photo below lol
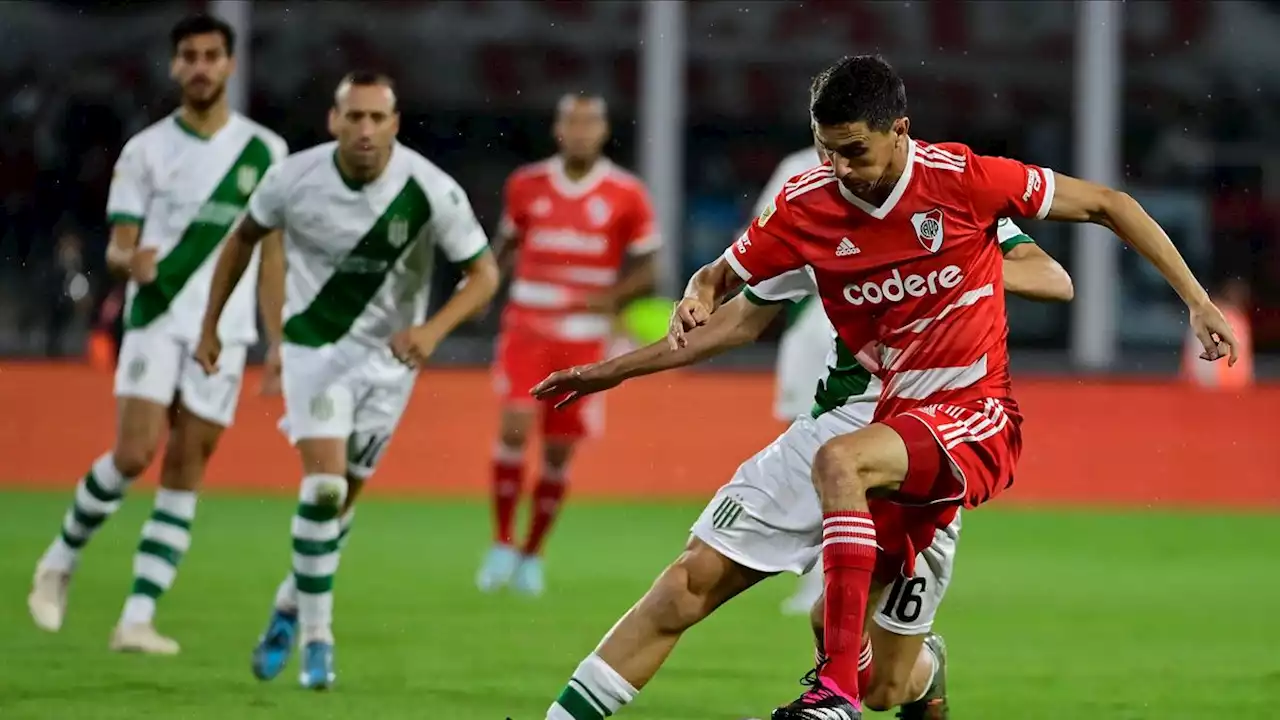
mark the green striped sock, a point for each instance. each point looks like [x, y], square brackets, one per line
[97, 497]
[316, 533]
[166, 537]
[595, 691]
[287, 590]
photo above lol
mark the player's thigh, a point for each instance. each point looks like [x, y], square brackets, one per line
[378, 410]
[964, 454]
[909, 605]
[871, 460]
[319, 420]
[768, 517]
[146, 383]
[213, 397]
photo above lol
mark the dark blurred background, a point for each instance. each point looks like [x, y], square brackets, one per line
[1197, 118]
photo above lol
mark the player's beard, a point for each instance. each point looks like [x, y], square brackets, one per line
[202, 104]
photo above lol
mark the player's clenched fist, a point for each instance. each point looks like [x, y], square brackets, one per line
[207, 352]
[1214, 333]
[415, 346]
[689, 313]
[574, 384]
[137, 264]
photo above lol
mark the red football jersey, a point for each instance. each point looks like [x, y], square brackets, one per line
[573, 238]
[914, 286]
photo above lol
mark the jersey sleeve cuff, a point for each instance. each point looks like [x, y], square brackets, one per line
[249, 213]
[1014, 242]
[736, 264]
[1047, 203]
[123, 218]
[466, 261]
[755, 299]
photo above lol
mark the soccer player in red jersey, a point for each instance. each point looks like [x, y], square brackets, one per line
[581, 231]
[920, 306]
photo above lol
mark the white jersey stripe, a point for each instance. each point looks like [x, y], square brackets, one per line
[1047, 203]
[797, 192]
[940, 165]
[938, 152]
[809, 176]
[921, 384]
[969, 298]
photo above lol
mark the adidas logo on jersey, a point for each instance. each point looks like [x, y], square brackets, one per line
[847, 248]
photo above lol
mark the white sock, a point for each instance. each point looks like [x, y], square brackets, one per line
[166, 537]
[594, 692]
[97, 497]
[316, 530]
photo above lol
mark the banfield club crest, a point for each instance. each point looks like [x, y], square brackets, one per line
[928, 226]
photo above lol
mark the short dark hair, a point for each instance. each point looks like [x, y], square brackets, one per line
[365, 78]
[858, 88]
[202, 24]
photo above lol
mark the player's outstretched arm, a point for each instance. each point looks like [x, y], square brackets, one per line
[1076, 200]
[702, 296]
[1032, 273]
[738, 323]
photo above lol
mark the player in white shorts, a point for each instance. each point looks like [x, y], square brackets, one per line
[362, 218]
[768, 518]
[178, 189]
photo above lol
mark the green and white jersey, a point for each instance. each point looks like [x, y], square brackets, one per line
[360, 256]
[188, 192]
[848, 386]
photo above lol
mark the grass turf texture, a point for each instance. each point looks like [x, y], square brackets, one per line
[1069, 616]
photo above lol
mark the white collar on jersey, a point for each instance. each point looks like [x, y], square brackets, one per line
[890, 202]
[570, 188]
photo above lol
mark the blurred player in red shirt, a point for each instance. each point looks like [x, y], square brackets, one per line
[900, 237]
[582, 233]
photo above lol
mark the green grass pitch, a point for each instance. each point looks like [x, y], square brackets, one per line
[1052, 616]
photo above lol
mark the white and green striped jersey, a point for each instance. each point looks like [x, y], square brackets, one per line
[188, 192]
[360, 256]
[847, 382]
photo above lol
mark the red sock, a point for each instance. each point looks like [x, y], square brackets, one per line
[849, 557]
[547, 498]
[506, 493]
[866, 661]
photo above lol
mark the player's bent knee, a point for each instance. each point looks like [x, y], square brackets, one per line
[134, 455]
[515, 427]
[874, 457]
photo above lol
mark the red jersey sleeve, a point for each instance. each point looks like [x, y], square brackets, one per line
[765, 250]
[1001, 187]
[514, 212]
[642, 229]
